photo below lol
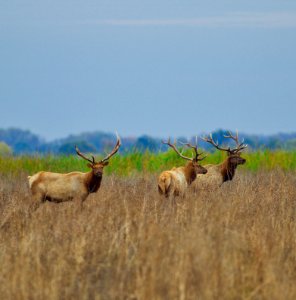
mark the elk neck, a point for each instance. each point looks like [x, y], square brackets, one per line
[92, 182]
[227, 170]
[189, 172]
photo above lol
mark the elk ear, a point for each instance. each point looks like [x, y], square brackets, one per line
[90, 166]
[105, 163]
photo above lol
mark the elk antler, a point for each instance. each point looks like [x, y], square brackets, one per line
[195, 150]
[239, 146]
[215, 144]
[183, 156]
[80, 154]
[115, 149]
[175, 149]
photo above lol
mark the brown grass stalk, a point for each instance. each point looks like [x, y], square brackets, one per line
[238, 242]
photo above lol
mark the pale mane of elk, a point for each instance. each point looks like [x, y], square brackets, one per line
[225, 171]
[59, 187]
[175, 181]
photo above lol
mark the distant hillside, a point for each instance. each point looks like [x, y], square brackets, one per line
[26, 142]
[21, 141]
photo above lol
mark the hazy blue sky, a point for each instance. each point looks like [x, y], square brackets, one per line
[155, 67]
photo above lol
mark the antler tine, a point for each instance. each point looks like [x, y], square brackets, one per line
[239, 146]
[81, 155]
[173, 146]
[211, 141]
[195, 150]
[189, 145]
[230, 136]
[115, 149]
[166, 143]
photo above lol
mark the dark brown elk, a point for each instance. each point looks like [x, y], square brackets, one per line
[225, 171]
[59, 187]
[175, 181]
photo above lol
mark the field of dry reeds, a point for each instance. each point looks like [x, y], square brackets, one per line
[238, 242]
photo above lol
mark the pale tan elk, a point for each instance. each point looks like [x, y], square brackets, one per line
[59, 187]
[225, 171]
[175, 181]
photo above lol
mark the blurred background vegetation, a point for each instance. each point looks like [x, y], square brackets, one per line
[25, 142]
[24, 152]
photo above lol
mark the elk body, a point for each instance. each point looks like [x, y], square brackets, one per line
[175, 181]
[59, 187]
[225, 171]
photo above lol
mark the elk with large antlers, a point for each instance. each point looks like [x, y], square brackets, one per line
[59, 187]
[175, 181]
[225, 171]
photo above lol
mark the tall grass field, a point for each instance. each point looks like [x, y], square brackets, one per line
[127, 242]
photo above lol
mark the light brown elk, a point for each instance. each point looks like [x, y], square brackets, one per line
[175, 181]
[225, 171]
[59, 187]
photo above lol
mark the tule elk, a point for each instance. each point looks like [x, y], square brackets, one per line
[225, 171]
[175, 181]
[59, 187]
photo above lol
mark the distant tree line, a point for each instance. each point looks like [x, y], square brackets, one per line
[18, 142]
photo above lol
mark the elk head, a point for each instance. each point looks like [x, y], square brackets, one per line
[97, 167]
[194, 160]
[234, 155]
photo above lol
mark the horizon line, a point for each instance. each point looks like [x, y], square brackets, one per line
[243, 132]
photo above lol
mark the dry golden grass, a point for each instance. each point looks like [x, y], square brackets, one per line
[238, 242]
